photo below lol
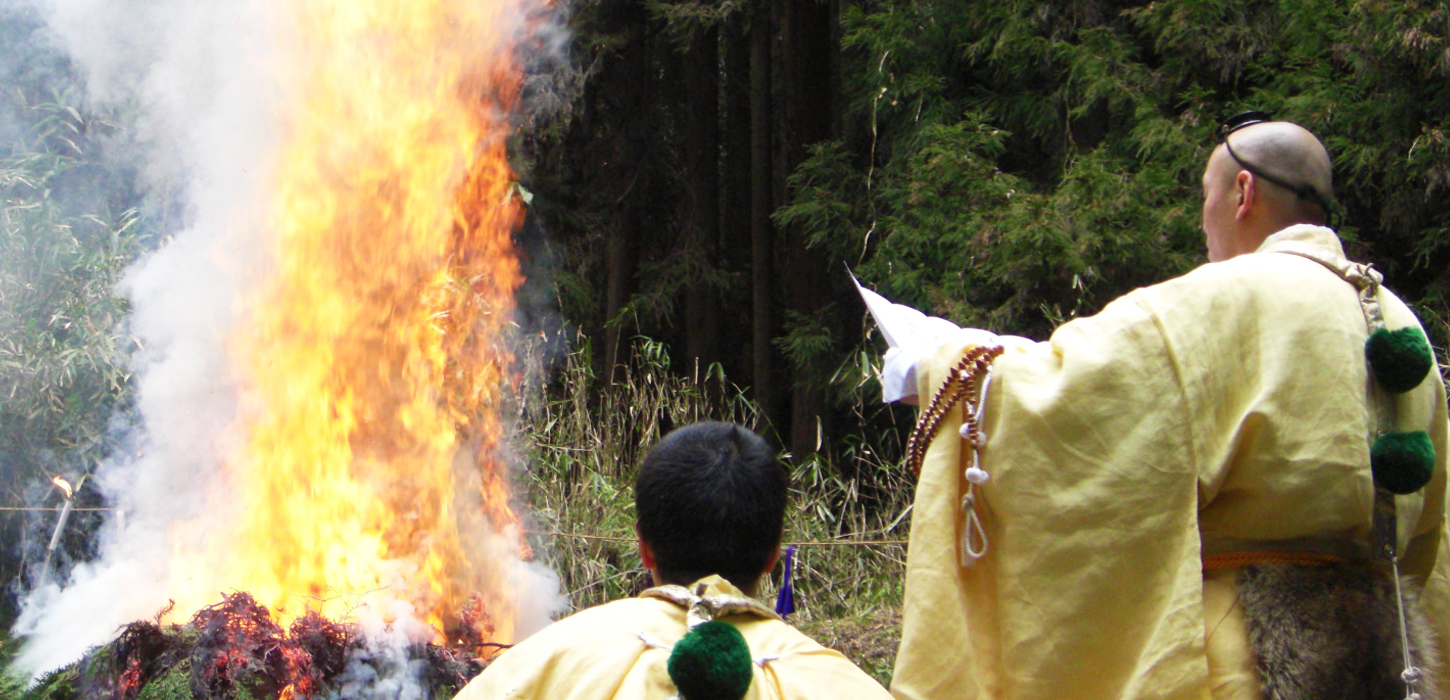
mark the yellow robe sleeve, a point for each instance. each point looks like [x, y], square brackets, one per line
[1436, 599]
[1426, 558]
[1091, 584]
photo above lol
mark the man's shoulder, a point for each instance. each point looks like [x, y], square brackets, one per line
[605, 618]
[593, 647]
[801, 667]
[603, 626]
[1272, 278]
[1300, 254]
[1262, 268]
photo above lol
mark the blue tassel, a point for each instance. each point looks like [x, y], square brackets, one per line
[785, 600]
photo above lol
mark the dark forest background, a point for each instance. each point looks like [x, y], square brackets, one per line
[1005, 164]
[720, 164]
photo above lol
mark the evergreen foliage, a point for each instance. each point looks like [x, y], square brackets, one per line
[1010, 164]
[61, 362]
[1017, 163]
[174, 684]
[68, 228]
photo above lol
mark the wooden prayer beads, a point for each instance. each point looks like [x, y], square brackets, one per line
[963, 382]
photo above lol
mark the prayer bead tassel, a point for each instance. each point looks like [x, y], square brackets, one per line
[974, 536]
[966, 385]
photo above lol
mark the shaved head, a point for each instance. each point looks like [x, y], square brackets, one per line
[1293, 156]
[1263, 178]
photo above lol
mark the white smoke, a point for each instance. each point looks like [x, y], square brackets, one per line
[382, 668]
[202, 75]
[204, 118]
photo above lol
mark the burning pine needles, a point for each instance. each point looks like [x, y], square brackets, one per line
[233, 650]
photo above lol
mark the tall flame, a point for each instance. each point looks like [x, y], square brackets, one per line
[372, 359]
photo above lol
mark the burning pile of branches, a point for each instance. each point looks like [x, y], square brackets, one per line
[235, 651]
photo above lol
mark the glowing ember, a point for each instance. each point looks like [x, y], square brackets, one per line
[372, 359]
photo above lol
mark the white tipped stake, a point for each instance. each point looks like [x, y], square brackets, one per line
[70, 501]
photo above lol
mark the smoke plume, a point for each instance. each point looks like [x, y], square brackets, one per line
[204, 78]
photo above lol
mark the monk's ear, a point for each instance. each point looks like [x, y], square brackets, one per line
[1245, 186]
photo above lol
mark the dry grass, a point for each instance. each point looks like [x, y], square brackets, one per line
[869, 641]
[584, 440]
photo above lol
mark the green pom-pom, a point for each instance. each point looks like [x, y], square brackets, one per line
[1402, 462]
[1400, 359]
[712, 662]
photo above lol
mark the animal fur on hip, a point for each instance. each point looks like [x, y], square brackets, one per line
[1333, 632]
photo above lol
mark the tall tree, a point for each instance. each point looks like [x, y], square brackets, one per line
[701, 216]
[807, 116]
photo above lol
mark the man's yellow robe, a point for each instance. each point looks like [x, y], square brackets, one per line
[619, 650]
[1224, 411]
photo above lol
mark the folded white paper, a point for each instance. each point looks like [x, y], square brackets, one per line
[912, 336]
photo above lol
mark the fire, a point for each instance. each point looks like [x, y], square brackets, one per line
[64, 486]
[373, 360]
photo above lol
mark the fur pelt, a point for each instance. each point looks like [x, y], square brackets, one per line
[1333, 632]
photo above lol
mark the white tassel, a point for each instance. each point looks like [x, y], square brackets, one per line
[972, 531]
[974, 534]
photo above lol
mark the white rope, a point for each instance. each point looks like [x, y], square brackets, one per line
[1412, 674]
[652, 644]
[973, 532]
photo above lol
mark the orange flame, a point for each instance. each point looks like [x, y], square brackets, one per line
[373, 360]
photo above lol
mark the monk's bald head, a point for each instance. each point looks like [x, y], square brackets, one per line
[1263, 178]
[1291, 155]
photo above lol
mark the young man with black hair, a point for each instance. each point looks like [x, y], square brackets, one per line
[710, 501]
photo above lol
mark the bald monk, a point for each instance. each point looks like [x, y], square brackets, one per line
[1243, 205]
[1201, 491]
[710, 501]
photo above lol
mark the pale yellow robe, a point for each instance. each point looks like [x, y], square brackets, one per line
[1225, 410]
[619, 650]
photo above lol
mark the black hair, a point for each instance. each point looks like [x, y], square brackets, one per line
[710, 499]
